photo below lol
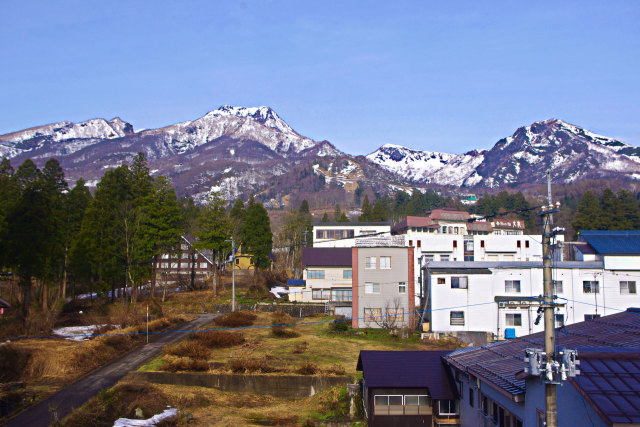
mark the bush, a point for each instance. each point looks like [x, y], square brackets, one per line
[278, 318]
[218, 339]
[173, 363]
[189, 348]
[236, 319]
[12, 362]
[241, 366]
[340, 325]
[335, 369]
[307, 368]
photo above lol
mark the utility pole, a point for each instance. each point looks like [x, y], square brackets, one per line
[551, 403]
[233, 274]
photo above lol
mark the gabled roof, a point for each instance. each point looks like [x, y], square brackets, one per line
[4, 304]
[500, 363]
[326, 257]
[407, 369]
[448, 215]
[351, 224]
[613, 242]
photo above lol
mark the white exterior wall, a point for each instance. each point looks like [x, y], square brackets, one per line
[359, 231]
[505, 248]
[333, 278]
[482, 312]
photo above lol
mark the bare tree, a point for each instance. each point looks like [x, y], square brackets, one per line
[390, 317]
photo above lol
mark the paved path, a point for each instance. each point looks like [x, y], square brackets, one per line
[79, 392]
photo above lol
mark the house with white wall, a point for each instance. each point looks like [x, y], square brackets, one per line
[327, 277]
[343, 234]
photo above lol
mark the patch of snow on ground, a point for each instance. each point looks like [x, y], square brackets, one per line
[77, 333]
[277, 290]
[153, 421]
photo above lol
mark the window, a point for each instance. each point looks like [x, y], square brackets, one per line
[455, 244]
[591, 316]
[165, 265]
[321, 294]
[184, 255]
[456, 318]
[482, 243]
[557, 287]
[319, 234]
[174, 265]
[203, 265]
[514, 319]
[402, 287]
[184, 247]
[484, 402]
[395, 315]
[315, 274]
[419, 243]
[559, 320]
[428, 258]
[444, 229]
[459, 283]
[184, 265]
[448, 407]
[470, 397]
[518, 243]
[401, 405]
[444, 257]
[372, 288]
[410, 242]
[341, 295]
[370, 262]
[165, 256]
[385, 262]
[347, 274]
[590, 287]
[627, 287]
[441, 281]
[526, 243]
[372, 314]
[512, 286]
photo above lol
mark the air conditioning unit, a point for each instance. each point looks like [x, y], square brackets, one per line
[502, 304]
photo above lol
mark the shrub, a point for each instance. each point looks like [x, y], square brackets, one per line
[307, 368]
[300, 347]
[278, 318]
[340, 325]
[335, 369]
[218, 339]
[236, 319]
[173, 363]
[240, 366]
[12, 362]
[189, 348]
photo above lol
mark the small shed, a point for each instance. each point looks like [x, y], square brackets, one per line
[407, 388]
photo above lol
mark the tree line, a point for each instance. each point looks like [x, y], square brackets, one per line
[59, 238]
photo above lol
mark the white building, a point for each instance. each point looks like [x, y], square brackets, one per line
[343, 234]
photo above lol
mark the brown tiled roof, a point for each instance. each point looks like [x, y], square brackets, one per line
[450, 215]
[479, 226]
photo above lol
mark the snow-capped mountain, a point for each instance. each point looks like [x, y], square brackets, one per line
[62, 138]
[260, 124]
[569, 151]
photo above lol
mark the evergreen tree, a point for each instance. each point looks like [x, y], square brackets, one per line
[8, 196]
[256, 234]
[379, 212]
[325, 217]
[337, 213]
[214, 231]
[304, 207]
[588, 213]
[236, 215]
[610, 211]
[366, 210]
[343, 218]
[629, 215]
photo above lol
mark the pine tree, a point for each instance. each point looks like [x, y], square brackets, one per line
[75, 205]
[214, 231]
[610, 211]
[325, 217]
[236, 215]
[256, 234]
[588, 213]
[628, 214]
[366, 210]
[379, 212]
[337, 213]
[304, 207]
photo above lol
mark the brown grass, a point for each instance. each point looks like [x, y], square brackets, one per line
[218, 339]
[188, 348]
[278, 319]
[308, 368]
[236, 319]
[173, 363]
[245, 366]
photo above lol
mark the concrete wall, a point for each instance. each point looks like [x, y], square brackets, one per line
[283, 386]
[389, 297]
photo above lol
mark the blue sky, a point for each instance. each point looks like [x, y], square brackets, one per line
[445, 76]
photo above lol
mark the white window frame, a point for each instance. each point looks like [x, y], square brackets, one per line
[510, 319]
[451, 402]
[385, 263]
[324, 293]
[370, 288]
[558, 287]
[509, 285]
[460, 321]
[628, 287]
[444, 257]
[370, 263]
[347, 274]
[402, 287]
[315, 274]
[590, 287]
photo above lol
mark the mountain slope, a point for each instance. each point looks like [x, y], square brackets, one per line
[569, 151]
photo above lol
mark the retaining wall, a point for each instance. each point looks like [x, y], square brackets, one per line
[293, 310]
[283, 386]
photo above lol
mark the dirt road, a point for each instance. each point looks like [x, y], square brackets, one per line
[76, 394]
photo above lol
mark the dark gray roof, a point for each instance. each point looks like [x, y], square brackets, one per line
[500, 363]
[613, 242]
[407, 369]
[326, 257]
